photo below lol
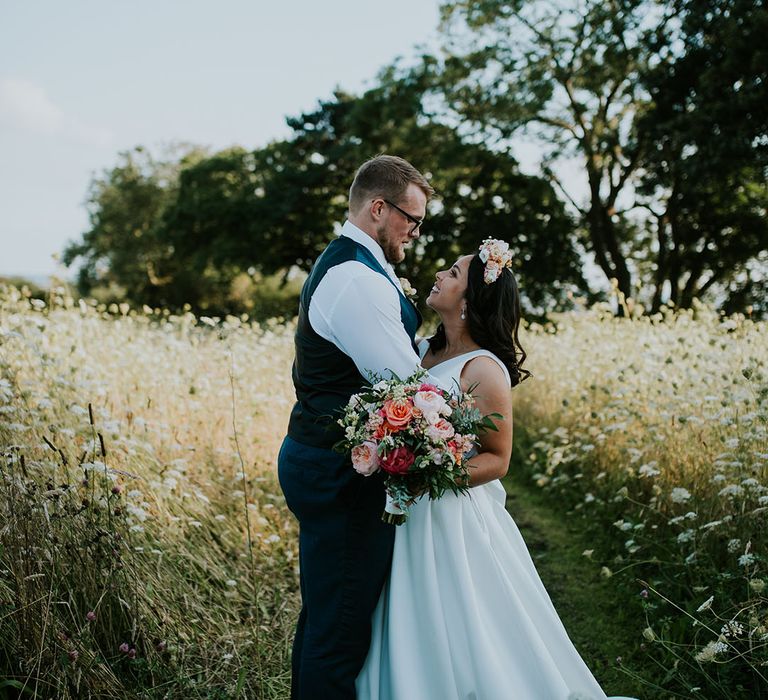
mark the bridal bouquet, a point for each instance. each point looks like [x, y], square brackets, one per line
[415, 432]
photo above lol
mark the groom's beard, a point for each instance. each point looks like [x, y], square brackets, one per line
[393, 251]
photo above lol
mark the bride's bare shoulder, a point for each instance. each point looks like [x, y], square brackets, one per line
[486, 372]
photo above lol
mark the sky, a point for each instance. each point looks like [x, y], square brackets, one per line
[82, 80]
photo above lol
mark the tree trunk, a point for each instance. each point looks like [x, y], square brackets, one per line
[605, 242]
[662, 262]
[691, 284]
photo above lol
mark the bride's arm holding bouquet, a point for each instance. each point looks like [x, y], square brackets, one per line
[490, 389]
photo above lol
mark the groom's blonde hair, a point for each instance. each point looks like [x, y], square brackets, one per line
[386, 177]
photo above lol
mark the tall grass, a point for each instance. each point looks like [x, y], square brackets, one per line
[147, 551]
[136, 559]
[656, 429]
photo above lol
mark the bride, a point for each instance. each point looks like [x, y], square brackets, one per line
[464, 615]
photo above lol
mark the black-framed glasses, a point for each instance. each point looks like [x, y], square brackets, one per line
[416, 222]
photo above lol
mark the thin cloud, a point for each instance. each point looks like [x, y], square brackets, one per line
[25, 106]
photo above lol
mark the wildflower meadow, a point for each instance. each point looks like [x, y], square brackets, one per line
[146, 551]
[146, 548]
[655, 429]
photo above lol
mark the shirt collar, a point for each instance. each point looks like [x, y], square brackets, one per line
[361, 237]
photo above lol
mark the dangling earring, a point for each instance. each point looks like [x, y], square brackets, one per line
[462, 314]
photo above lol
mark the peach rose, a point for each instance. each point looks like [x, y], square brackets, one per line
[398, 412]
[365, 459]
[440, 430]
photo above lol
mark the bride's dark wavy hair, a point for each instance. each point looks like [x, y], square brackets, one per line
[493, 318]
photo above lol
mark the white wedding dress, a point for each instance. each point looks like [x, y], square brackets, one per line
[464, 615]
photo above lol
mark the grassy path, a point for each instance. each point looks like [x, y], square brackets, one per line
[601, 621]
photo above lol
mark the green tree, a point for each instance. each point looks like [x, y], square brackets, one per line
[581, 78]
[704, 178]
[207, 225]
[275, 209]
[124, 249]
[481, 192]
[263, 211]
[567, 74]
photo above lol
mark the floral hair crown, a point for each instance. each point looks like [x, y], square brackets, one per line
[496, 255]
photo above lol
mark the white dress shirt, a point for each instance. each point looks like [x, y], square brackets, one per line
[358, 310]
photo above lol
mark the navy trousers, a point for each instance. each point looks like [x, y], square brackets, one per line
[345, 553]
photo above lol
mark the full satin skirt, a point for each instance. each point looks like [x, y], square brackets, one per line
[464, 615]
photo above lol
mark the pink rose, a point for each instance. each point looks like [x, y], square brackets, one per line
[398, 412]
[398, 461]
[365, 459]
[429, 387]
[440, 430]
[429, 402]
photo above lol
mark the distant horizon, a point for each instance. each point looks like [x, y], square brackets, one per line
[35, 278]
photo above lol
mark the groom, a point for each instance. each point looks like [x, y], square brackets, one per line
[353, 319]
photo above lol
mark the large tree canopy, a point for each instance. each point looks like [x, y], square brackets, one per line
[481, 192]
[568, 74]
[631, 89]
[704, 176]
[663, 105]
[125, 246]
[276, 208]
